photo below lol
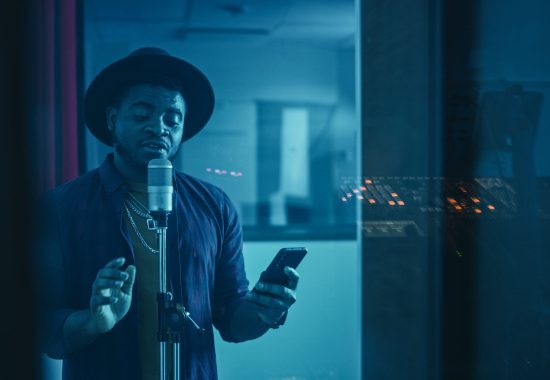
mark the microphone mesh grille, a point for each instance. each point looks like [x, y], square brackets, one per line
[159, 172]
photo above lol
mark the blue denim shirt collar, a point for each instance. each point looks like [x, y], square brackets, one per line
[111, 179]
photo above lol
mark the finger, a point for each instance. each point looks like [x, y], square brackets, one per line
[129, 283]
[270, 320]
[293, 277]
[277, 291]
[115, 274]
[269, 301]
[99, 300]
[101, 285]
[104, 283]
[116, 263]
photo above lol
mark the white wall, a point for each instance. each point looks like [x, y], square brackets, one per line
[321, 338]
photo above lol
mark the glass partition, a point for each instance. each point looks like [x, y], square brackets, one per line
[455, 126]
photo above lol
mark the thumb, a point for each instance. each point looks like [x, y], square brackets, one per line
[129, 283]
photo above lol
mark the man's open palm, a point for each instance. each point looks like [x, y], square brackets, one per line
[112, 294]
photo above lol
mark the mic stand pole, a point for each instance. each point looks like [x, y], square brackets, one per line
[171, 316]
[163, 298]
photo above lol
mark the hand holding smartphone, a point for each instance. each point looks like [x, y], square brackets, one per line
[286, 257]
[273, 297]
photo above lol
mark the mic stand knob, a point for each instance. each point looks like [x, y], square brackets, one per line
[172, 318]
[187, 314]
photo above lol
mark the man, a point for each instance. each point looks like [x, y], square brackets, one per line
[100, 259]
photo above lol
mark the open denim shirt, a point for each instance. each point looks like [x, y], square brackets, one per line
[83, 228]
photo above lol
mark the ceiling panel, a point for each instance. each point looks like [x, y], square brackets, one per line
[140, 10]
[264, 14]
[217, 21]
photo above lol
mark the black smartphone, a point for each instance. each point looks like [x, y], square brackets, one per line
[286, 257]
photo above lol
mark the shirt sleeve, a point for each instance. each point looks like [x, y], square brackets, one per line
[50, 280]
[231, 284]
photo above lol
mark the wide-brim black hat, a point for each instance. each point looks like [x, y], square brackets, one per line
[143, 66]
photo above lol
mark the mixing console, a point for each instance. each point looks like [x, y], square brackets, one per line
[391, 206]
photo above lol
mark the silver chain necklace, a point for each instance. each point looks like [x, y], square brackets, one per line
[141, 210]
[135, 205]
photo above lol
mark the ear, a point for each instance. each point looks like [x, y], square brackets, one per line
[111, 114]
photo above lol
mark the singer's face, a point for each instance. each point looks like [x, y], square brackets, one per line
[147, 124]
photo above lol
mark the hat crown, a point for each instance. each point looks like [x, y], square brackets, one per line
[148, 51]
[139, 66]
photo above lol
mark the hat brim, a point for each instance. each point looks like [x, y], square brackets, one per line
[195, 88]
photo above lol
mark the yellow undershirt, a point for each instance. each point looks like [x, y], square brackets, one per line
[146, 288]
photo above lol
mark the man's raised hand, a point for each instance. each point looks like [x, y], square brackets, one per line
[111, 294]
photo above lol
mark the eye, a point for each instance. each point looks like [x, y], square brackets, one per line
[140, 117]
[172, 119]
[140, 114]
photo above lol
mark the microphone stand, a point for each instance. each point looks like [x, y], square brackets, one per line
[171, 316]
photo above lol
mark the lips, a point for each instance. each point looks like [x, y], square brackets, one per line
[155, 145]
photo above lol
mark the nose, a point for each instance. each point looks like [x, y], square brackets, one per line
[158, 127]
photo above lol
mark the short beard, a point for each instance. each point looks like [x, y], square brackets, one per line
[124, 153]
[121, 150]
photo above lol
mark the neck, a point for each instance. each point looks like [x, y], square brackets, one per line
[130, 171]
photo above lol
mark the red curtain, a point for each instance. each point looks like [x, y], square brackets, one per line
[57, 92]
[39, 98]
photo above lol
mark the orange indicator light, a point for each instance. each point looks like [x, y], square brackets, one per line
[363, 188]
[394, 195]
[491, 207]
[372, 201]
[459, 208]
[478, 211]
[401, 203]
[392, 203]
[451, 200]
[476, 200]
[368, 182]
[355, 191]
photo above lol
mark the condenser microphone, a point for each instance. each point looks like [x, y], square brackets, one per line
[159, 186]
